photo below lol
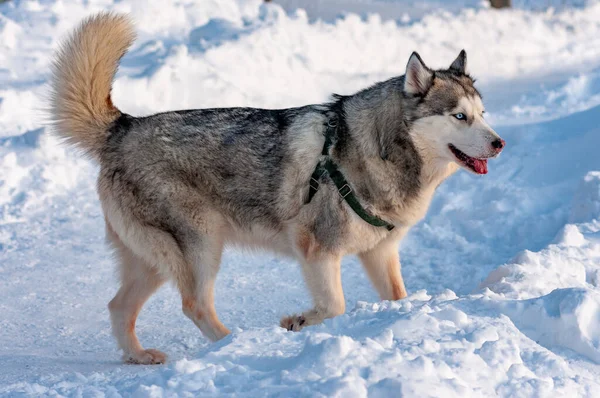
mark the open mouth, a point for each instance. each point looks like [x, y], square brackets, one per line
[478, 166]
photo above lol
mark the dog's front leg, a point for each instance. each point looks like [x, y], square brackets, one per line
[382, 264]
[321, 271]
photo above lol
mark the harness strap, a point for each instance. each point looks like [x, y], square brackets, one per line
[327, 166]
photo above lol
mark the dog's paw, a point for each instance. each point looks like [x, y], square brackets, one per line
[145, 357]
[294, 323]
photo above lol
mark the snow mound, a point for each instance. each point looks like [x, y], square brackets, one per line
[565, 318]
[426, 346]
[572, 260]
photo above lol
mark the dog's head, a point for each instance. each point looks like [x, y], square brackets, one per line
[448, 119]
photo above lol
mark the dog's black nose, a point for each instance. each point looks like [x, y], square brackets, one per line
[498, 144]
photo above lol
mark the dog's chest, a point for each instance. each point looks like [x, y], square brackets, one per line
[415, 209]
[362, 236]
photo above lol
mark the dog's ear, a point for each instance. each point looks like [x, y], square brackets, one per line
[418, 78]
[460, 63]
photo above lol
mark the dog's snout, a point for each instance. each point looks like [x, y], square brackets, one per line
[498, 144]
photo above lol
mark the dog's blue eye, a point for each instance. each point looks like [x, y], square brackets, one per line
[460, 116]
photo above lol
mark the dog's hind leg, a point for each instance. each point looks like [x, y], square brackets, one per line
[382, 264]
[322, 273]
[197, 282]
[138, 281]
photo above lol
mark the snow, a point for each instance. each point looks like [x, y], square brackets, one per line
[503, 274]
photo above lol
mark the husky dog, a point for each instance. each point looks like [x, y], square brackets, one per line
[177, 187]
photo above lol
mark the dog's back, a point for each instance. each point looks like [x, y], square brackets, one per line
[237, 160]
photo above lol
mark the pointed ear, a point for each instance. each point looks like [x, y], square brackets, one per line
[460, 63]
[418, 78]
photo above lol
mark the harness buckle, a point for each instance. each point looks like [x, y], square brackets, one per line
[314, 179]
[345, 191]
[314, 183]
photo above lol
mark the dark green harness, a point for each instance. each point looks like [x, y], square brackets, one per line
[327, 166]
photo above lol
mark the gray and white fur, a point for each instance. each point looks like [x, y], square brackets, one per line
[177, 187]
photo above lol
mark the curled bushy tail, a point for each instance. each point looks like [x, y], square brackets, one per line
[82, 75]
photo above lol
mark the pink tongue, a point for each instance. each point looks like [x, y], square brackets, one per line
[480, 166]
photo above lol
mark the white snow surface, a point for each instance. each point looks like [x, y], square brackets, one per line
[503, 274]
